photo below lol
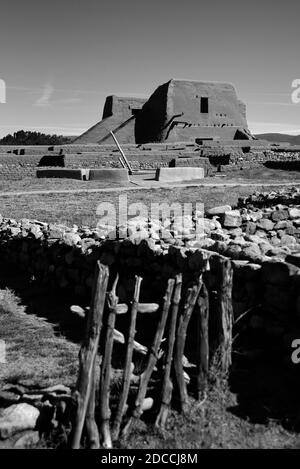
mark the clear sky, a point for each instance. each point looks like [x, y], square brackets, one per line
[60, 58]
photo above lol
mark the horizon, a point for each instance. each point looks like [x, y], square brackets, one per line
[60, 62]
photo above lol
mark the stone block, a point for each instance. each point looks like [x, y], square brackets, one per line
[179, 174]
[81, 174]
[109, 175]
[232, 219]
[16, 418]
[217, 211]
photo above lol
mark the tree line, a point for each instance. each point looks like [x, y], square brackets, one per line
[23, 137]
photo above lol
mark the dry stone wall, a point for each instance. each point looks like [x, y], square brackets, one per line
[264, 245]
[14, 167]
[266, 289]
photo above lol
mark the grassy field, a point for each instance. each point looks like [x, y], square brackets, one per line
[80, 208]
[47, 184]
[36, 354]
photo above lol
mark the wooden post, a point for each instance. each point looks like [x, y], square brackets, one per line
[88, 351]
[121, 151]
[122, 163]
[128, 360]
[191, 298]
[146, 375]
[167, 386]
[225, 312]
[105, 374]
[90, 421]
[202, 342]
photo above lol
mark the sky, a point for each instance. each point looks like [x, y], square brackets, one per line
[59, 59]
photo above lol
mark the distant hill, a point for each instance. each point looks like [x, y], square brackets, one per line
[280, 138]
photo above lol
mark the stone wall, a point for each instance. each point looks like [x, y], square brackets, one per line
[64, 257]
[14, 167]
[141, 161]
[267, 298]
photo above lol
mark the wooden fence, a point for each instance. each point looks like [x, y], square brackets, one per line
[95, 417]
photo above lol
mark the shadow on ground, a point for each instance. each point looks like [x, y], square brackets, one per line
[266, 383]
[42, 302]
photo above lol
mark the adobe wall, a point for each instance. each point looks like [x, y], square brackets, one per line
[174, 112]
[119, 117]
[224, 108]
[150, 123]
[123, 106]
[192, 131]
[100, 133]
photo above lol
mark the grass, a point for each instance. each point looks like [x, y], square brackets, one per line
[212, 425]
[81, 208]
[35, 353]
[37, 184]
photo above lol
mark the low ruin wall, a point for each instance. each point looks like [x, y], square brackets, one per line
[14, 166]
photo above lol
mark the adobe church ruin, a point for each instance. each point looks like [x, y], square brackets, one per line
[179, 110]
[119, 115]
